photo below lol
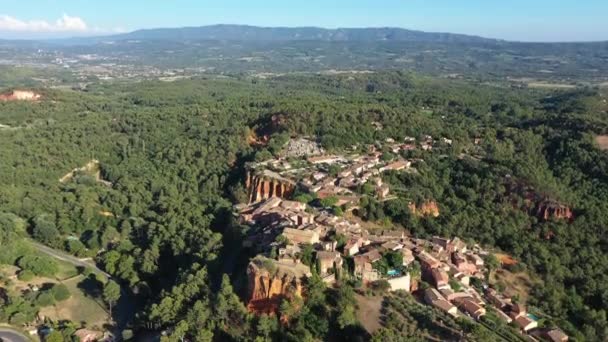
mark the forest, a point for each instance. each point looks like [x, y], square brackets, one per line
[158, 216]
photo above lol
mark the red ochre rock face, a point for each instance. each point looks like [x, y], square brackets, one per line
[547, 210]
[269, 282]
[263, 186]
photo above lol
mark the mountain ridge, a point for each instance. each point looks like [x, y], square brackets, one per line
[232, 32]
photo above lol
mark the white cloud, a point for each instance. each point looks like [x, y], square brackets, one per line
[64, 24]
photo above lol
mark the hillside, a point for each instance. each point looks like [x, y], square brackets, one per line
[254, 33]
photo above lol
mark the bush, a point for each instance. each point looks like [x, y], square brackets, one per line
[45, 299]
[18, 319]
[60, 292]
[26, 275]
[40, 266]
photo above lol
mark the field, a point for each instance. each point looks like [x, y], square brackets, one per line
[81, 307]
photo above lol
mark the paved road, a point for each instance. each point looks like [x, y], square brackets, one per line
[9, 335]
[67, 258]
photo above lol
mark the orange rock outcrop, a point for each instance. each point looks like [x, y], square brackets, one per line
[271, 281]
[428, 208]
[261, 186]
[20, 95]
[553, 211]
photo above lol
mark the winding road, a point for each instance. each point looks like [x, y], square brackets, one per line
[9, 335]
[67, 257]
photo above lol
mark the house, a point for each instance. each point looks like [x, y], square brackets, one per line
[473, 309]
[443, 243]
[364, 269]
[392, 246]
[330, 246]
[503, 316]
[496, 299]
[328, 261]
[431, 295]
[556, 335]
[445, 306]
[463, 265]
[298, 236]
[517, 310]
[372, 255]
[458, 245]
[434, 298]
[427, 261]
[328, 159]
[475, 259]
[451, 296]
[440, 278]
[352, 246]
[525, 323]
[397, 166]
[408, 256]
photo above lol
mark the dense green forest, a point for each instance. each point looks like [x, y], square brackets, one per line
[174, 154]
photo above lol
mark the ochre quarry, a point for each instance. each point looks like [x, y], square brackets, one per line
[263, 185]
[271, 281]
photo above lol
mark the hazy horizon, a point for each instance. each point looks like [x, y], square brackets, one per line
[538, 21]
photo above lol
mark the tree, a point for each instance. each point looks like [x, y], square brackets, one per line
[54, 336]
[111, 293]
[45, 299]
[45, 230]
[60, 292]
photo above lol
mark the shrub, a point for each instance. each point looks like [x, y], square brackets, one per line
[40, 266]
[60, 292]
[45, 299]
[26, 275]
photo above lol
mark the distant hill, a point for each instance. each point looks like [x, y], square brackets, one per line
[254, 33]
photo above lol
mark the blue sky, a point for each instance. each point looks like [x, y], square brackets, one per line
[529, 20]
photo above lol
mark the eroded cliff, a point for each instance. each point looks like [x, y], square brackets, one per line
[267, 184]
[20, 95]
[271, 281]
[427, 208]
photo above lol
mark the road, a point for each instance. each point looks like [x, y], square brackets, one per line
[10, 335]
[67, 258]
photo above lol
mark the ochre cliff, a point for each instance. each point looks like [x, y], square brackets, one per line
[263, 185]
[271, 281]
[548, 210]
[536, 204]
[427, 208]
[20, 95]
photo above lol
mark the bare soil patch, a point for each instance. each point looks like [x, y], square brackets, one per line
[368, 312]
[602, 142]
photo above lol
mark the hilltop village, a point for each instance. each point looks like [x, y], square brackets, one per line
[301, 219]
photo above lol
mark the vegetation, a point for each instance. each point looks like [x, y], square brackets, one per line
[174, 154]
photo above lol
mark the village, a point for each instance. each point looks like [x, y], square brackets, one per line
[303, 203]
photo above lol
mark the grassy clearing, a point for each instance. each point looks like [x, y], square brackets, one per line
[516, 284]
[81, 307]
[368, 313]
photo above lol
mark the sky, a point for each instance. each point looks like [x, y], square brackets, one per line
[521, 20]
